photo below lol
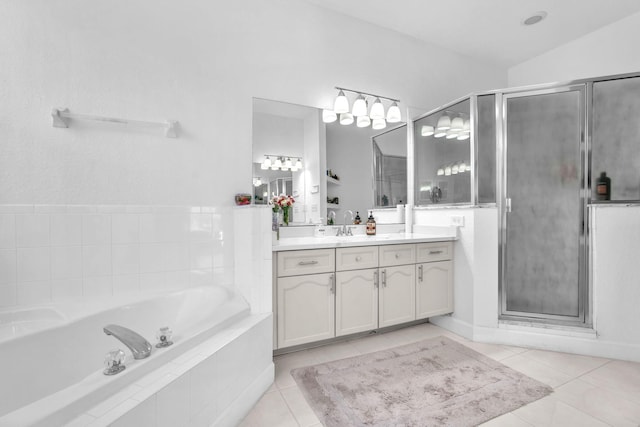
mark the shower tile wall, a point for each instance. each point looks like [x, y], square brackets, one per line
[53, 252]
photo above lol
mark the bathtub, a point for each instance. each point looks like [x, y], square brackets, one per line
[52, 358]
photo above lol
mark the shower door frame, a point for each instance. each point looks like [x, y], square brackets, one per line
[584, 288]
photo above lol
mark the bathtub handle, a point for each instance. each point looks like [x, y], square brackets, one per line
[308, 262]
[332, 283]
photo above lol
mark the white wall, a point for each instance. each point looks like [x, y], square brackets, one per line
[195, 61]
[612, 49]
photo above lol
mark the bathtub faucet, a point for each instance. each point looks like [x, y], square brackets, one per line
[136, 343]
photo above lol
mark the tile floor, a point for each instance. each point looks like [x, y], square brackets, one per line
[588, 391]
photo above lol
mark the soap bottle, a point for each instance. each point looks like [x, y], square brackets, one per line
[371, 225]
[357, 219]
[603, 187]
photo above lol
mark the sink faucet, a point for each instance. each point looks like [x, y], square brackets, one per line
[139, 346]
[346, 231]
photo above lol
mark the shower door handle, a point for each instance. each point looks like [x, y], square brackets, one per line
[507, 204]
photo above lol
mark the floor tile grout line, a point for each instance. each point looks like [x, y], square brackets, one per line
[289, 406]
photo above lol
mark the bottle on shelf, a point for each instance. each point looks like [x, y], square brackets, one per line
[603, 187]
[371, 225]
[357, 219]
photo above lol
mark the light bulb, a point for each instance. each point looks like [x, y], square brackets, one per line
[377, 110]
[379, 124]
[427, 130]
[359, 106]
[444, 122]
[341, 105]
[329, 116]
[363, 121]
[299, 164]
[393, 113]
[346, 118]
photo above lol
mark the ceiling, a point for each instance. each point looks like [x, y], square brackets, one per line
[490, 30]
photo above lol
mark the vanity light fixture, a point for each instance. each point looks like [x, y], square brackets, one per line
[257, 182]
[359, 106]
[393, 113]
[267, 161]
[462, 167]
[299, 163]
[447, 171]
[427, 130]
[440, 172]
[379, 124]
[457, 124]
[329, 116]
[346, 118]
[454, 169]
[287, 163]
[363, 121]
[466, 131]
[341, 104]
[277, 164]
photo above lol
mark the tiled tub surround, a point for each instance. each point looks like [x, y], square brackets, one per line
[219, 365]
[55, 252]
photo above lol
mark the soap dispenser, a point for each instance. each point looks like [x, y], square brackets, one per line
[357, 219]
[371, 225]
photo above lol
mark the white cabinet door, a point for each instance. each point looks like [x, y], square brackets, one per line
[306, 309]
[434, 289]
[356, 301]
[397, 295]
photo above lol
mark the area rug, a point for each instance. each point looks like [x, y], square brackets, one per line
[435, 382]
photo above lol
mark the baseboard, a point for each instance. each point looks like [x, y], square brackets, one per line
[235, 413]
[454, 325]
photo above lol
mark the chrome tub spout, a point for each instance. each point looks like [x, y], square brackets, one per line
[139, 346]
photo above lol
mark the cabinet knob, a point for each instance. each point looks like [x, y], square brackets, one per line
[358, 258]
[397, 256]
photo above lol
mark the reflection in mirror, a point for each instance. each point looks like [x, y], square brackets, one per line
[286, 141]
[390, 167]
[442, 149]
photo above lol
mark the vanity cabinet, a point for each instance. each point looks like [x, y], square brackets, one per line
[305, 302]
[434, 279]
[327, 293]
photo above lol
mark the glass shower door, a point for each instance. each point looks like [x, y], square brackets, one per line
[543, 218]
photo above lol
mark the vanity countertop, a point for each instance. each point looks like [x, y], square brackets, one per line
[297, 243]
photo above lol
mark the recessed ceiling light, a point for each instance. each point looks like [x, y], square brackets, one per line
[535, 18]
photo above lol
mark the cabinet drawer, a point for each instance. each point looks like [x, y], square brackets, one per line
[436, 251]
[356, 258]
[311, 261]
[397, 255]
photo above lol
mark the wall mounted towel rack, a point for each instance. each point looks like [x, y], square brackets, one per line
[62, 116]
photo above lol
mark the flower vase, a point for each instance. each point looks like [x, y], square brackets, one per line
[275, 224]
[285, 215]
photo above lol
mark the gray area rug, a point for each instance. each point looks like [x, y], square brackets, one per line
[436, 382]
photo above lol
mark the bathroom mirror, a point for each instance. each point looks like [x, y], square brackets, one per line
[390, 167]
[337, 162]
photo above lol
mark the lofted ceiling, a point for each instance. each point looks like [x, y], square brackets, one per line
[489, 30]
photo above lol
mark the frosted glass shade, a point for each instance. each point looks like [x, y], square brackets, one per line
[299, 164]
[359, 107]
[379, 124]
[346, 118]
[427, 130]
[457, 124]
[329, 116]
[393, 113]
[444, 123]
[363, 121]
[440, 172]
[341, 104]
[377, 110]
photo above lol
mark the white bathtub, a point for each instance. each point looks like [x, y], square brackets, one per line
[52, 357]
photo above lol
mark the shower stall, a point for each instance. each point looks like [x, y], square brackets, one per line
[536, 154]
